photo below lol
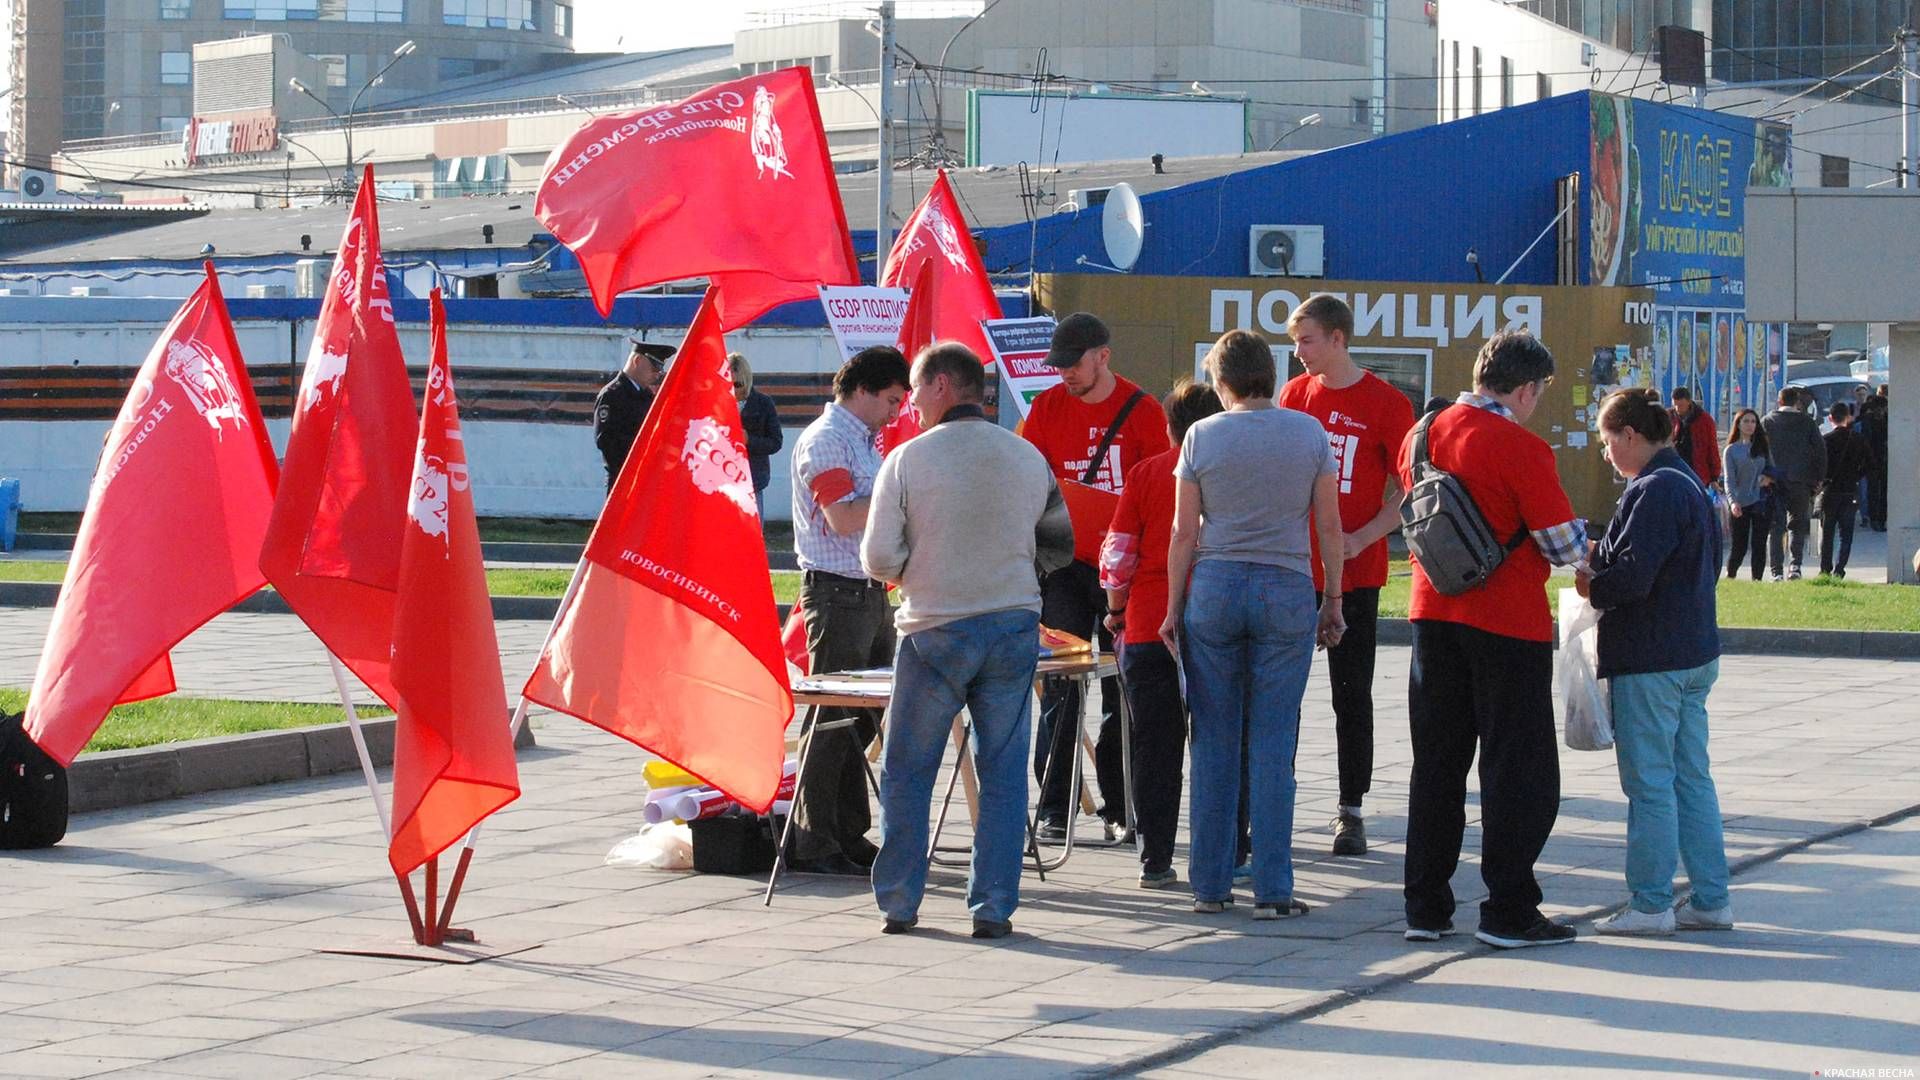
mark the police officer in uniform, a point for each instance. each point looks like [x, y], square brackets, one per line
[622, 404]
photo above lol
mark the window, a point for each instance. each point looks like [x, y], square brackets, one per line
[1360, 112]
[176, 68]
[272, 10]
[1456, 80]
[1506, 83]
[1543, 86]
[491, 14]
[173, 124]
[176, 9]
[1476, 80]
[563, 20]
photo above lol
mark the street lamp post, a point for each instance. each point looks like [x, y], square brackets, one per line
[1305, 122]
[405, 50]
[301, 88]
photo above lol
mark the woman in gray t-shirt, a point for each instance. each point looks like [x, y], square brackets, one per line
[1249, 482]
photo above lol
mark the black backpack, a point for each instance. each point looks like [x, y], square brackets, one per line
[1444, 529]
[33, 791]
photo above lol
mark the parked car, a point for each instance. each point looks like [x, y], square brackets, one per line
[1826, 390]
[1872, 367]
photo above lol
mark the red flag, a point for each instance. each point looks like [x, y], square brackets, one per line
[172, 532]
[672, 639]
[452, 750]
[949, 291]
[734, 184]
[936, 236]
[333, 550]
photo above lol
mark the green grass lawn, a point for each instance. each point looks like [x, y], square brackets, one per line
[176, 719]
[1813, 603]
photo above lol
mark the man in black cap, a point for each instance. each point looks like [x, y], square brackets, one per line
[622, 404]
[1092, 429]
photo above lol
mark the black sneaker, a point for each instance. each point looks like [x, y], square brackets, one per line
[991, 928]
[1429, 933]
[1543, 932]
[1050, 831]
[1349, 835]
[900, 926]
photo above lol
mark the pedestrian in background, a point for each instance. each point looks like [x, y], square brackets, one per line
[1652, 578]
[1133, 570]
[1846, 467]
[760, 423]
[1252, 483]
[1748, 497]
[1482, 668]
[1800, 464]
[1695, 438]
[964, 515]
[1873, 434]
[622, 405]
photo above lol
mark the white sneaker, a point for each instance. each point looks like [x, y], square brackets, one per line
[1629, 921]
[1688, 917]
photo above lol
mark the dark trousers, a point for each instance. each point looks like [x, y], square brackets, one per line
[1877, 497]
[1791, 503]
[848, 628]
[1471, 687]
[1836, 516]
[1159, 747]
[1350, 667]
[1750, 528]
[1071, 601]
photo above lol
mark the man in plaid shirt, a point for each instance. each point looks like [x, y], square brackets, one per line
[848, 625]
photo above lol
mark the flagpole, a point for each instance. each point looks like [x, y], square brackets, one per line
[519, 719]
[359, 742]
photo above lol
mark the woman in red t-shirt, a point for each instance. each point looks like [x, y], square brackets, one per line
[1133, 570]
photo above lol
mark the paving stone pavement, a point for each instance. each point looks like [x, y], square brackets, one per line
[181, 938]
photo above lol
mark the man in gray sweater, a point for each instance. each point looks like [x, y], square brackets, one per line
[1800, 456]
[964, 519]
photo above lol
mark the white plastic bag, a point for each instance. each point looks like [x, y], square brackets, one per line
[666, 846]
[1583, 693]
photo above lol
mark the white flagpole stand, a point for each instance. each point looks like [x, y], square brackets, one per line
[360, 743]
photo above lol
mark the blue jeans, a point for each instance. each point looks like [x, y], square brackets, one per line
[1247, 639]
[984, 664]
[1673, 812]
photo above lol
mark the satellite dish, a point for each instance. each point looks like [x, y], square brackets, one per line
[1122, 226]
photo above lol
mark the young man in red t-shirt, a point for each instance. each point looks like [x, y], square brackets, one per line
[1366, 421]
[1133, 571]
[1482, 667]
[1069, 424]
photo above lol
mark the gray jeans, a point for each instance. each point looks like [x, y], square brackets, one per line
[1792, 501]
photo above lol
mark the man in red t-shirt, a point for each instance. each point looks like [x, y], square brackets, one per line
[1366, 421]
[1695, 437]
[1482, 667]
[1133, 571]
[1092, 428]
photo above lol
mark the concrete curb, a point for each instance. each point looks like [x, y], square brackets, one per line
[1734, 640]
[1188, 1047]
[116, 778]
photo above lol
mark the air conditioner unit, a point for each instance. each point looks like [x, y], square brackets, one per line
[266, 292]
[310, 278]
[20, 288]
[1287, 251]
[37, 186]
[89, 290]
[1087, 198]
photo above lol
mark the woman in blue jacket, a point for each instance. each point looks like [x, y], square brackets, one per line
[1652, 578]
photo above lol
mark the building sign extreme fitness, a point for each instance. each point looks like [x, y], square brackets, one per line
[230, 136]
